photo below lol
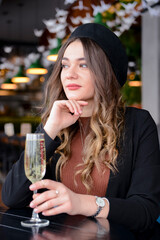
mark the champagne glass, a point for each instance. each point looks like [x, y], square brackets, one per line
[35, 168]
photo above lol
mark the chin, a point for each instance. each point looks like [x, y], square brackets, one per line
[74, 98]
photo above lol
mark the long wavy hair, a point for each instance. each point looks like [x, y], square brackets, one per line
[106, 122]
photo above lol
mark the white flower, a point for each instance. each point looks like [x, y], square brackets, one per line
[87, 19]
[71, 28]
[53, 42]
[8, 49]
[49, 23]
[81, 6]
[38, 33]
[41, 48]
[99, 9]
[118, 33]
[61, 34]
[61, 12]
[69, 1]
[76, 20]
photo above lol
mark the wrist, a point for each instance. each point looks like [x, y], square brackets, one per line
[51, 129]
[88, 206]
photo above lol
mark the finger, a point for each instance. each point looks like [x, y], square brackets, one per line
[56, 210]
[43, 197]
[35, 195]
[72, 106]
[69, 106]
[79, 105]
[64, 104]
[49, 200]
[45, 183]
[52, 203]
[76, 106]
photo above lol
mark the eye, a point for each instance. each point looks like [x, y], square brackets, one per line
[64, 65]
[83, 65]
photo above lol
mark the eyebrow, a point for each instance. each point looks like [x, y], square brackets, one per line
[78, 59]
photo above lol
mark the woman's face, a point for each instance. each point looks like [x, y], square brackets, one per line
[76, 77]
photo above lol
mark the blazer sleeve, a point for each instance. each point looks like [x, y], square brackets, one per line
[140, 208]
[15, 190]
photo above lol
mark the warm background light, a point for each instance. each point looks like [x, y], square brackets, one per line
[20, 79]
[52, 57]
[8, 86]
[37, 71]
[36, 68]
[135, 83]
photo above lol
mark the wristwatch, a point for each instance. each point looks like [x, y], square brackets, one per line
[100, 203]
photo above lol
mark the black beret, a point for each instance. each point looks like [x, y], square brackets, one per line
[110, 44]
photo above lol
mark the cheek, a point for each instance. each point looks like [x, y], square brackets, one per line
[91, 86]
[62, 78]
[91, 91]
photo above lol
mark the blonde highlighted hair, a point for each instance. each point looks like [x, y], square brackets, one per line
[107, 120]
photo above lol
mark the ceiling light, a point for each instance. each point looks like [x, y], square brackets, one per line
[20, 77]
[36, 68]
[8, 85]
[54, 51]
[53, 54]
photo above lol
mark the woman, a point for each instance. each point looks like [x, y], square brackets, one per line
[103, 158]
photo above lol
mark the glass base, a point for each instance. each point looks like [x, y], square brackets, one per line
[34, 223]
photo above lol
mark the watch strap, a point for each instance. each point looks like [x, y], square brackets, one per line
[97, 212]
[98, 209]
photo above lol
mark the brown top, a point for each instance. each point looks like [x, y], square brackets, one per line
[100, 178]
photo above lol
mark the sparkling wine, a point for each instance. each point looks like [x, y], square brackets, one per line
[35, 168]
[35, 160]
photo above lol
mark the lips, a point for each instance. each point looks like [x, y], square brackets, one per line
[73, 86]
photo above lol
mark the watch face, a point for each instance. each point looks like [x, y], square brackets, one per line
[100, 202]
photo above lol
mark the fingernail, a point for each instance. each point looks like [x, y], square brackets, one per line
[31, 205]
[31, 186]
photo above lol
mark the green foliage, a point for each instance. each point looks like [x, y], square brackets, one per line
[132, 43]
[131, 95]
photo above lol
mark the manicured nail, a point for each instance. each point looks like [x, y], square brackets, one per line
[31, 205]
[31, 187]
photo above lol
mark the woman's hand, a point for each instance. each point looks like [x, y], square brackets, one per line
[63, 114]
[60, 199]
[57, 199]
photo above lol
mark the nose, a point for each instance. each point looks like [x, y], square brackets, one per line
[71, 73]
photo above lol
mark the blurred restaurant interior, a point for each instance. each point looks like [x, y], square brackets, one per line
[31, 33]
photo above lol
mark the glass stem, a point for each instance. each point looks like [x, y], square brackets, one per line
[35, 216]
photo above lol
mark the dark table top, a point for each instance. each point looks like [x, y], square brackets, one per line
[64, 227]
[61, 227]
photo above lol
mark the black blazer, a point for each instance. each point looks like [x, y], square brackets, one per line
[133, 193]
